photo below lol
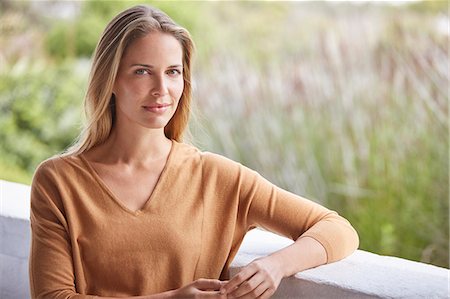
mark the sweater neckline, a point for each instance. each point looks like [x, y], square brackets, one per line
[153, 195]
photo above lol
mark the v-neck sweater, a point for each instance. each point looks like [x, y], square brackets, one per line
[87, 243]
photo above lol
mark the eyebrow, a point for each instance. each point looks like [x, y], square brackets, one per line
[151, 66]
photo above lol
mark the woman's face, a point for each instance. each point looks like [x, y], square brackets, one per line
[149, 81]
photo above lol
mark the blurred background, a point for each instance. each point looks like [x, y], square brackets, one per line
[344, 103]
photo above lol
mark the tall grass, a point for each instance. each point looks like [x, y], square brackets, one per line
[356, 120]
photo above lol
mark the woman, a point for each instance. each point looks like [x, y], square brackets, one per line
[132, 212]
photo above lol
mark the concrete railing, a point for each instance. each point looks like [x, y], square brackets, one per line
[361, 275]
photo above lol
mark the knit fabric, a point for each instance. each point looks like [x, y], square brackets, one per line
[86, 242]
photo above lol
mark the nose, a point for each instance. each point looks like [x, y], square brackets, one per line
[159, 86]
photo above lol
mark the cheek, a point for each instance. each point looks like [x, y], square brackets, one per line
[120, 88]
[128, 88]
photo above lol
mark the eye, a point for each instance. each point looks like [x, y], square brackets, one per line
[173, 72]
[141, 72]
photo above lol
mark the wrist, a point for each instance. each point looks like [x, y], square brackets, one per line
[285, 261]
[164, 295]
[168, 294]
[305, 253]
[276, 265]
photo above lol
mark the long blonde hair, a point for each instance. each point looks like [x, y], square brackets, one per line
[99, 102]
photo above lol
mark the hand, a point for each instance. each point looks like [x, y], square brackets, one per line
[259, 279]
[201, 288]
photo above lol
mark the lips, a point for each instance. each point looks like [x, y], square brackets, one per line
[157, 105]
[157, 108]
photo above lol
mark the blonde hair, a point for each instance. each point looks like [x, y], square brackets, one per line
[99, 102]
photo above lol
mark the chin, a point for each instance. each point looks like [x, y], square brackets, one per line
[155, 125]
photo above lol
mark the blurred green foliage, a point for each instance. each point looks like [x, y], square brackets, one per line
[430, 7]
[78, 37]
[40, 114]
[344, 104]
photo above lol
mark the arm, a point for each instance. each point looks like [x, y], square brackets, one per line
[321, 236]
[51, 270]
[49, 243]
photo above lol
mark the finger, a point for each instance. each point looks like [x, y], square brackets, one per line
[249, 286]
[267, 293]
[208, 284]
[239, 278]
[210, 295]
[256, 293]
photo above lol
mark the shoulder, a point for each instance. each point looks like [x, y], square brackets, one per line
[46, 168]
[216, 162]
[207, 159]
[55, 178]
[213, 165]
[54, 167]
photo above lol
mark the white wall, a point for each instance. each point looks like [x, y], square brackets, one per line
[14, 240]
[361, 275]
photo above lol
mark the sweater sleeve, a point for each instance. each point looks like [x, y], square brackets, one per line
[293, 216]
[51, 271]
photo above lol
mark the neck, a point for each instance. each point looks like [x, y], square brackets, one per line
[137, 146]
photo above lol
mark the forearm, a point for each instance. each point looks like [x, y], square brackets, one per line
[305, 253]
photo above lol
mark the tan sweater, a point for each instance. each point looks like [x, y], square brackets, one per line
[84, 241]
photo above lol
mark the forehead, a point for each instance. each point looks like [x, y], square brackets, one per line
[154, 48]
